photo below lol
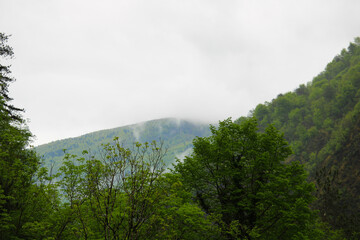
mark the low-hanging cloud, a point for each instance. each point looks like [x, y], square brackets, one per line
[83, 65]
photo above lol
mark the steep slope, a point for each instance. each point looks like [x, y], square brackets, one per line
[316, 117]
[176, 134]
[321, 121]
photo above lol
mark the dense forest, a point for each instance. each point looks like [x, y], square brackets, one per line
[289, 170]
[321, 122]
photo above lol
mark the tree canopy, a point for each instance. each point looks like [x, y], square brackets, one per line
[239, 175]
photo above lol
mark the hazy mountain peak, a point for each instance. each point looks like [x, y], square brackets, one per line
[177, 135]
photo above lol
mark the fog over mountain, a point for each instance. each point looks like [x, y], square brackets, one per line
[83, 65]
[173, 135]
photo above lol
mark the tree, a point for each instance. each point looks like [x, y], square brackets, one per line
[18, 164]
[177, 216]
[112, 194]
[240, 175]
[122, 188]
[5, 79]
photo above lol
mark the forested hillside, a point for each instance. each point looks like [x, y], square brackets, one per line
[176, 134]
[321, 121]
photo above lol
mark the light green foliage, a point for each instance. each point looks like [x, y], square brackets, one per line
[177, 217]
[112, 196]
[125, 195]
[239, 174]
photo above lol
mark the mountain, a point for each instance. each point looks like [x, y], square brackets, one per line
[321, 121]
[176, 134]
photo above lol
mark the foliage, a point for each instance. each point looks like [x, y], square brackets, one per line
[125, 195]
[177, 216]
[240, 175]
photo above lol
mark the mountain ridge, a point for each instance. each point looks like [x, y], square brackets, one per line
[177, 135]
[129, 125]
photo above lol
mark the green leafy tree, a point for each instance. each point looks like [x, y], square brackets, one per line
[122, 188]
[111, 195]
[177, 215]
[239, 174]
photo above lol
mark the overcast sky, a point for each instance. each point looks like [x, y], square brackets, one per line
[84, 65]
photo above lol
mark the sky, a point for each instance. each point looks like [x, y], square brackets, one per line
[85, 65]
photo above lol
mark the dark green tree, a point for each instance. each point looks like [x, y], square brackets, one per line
[18, 164]
[239, 175]
[5, 79]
